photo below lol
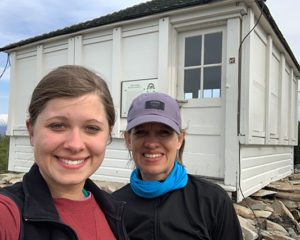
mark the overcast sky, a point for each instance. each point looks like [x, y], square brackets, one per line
[23, 19]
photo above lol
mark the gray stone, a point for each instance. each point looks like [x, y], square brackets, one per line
[275, 227]
[244, 211]
[281, 209]
[263, 193]
[283, 186]
[256, 204]
[289, 195]
[290, 204]
[296, 214]
[262, 213]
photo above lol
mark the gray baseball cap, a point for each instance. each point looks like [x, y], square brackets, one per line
[154, 107]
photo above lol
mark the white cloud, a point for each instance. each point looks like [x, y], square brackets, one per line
[286, 16]
[35, 17]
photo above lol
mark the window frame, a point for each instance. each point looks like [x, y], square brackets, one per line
[202, 66]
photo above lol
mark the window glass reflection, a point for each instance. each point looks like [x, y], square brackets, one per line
[213, 48]
[193, 51]
[192, 82]
[212, 82]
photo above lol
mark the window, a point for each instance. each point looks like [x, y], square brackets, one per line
[203, 66]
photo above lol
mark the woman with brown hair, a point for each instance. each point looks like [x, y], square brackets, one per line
[71, 116]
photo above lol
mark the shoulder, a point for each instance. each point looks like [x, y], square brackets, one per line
[206, 189]
[14, 192]
[9, 218]
[123, 193]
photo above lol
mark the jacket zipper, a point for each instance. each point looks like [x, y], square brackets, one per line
[121, 230]
[156, 219]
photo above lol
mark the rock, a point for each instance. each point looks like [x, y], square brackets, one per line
[296, 214]
[248, 228]
[262, 213]
[284, 186]
[8, 177]
[274, 236]
[15, 180]
[281, 209]
[290, 204]
[292, 232]
[249, 234]
[256, 204]
[295, 182]
[243, 211]
[289, 195]
[247, 223]
[263, 193]
[275, 228]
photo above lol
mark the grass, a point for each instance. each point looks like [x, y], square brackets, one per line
[4, 145]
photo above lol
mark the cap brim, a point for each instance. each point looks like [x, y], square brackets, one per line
[152, 118]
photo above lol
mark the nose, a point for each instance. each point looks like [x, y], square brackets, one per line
[74, 141]
[151, 141]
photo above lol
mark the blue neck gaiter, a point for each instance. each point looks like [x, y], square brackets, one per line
[150, 189]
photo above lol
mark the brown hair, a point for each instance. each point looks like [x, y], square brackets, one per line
[180, 152]
[70, 81]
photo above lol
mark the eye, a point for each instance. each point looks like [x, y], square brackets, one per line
[165, 132]
[92, 129]
[57, 126]
[140, 132]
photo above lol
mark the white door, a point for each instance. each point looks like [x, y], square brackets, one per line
[201, 89]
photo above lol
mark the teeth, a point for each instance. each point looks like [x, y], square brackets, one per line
[152, 155]
[72, 162]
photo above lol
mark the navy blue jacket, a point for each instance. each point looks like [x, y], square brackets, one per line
[39, 217]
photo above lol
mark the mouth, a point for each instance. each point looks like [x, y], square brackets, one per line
[152, 155]
[72, 163]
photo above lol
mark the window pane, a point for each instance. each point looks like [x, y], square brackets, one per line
[192, 51]
[192, 79]
[212, 82]
[213, 48]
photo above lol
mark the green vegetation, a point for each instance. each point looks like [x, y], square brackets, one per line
[4, 145]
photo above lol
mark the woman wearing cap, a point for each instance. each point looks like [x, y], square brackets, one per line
[163, 201]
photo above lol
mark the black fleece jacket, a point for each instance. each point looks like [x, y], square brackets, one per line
[39, 217]
[201, 210]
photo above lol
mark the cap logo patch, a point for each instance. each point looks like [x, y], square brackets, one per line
[155, 104]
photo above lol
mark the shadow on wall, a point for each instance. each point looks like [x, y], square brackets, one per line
[297, 149]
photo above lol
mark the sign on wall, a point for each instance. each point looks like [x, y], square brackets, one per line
[131, 89]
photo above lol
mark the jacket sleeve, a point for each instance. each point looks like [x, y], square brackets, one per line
[227, 223]
[9, 219]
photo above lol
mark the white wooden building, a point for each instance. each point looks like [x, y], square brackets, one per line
[225, 61]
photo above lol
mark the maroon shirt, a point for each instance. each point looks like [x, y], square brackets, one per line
[84, 217]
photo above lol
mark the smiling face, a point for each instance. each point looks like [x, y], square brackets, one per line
[69, 138]
[154, 148]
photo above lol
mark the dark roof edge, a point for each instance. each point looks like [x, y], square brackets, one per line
[274, 26]
[143, 10]
[131, 13]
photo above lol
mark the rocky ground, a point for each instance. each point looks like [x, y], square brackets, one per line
[271, 213]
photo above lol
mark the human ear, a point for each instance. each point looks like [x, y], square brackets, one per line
[127, 138]
[30, 131]
[181, 137]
